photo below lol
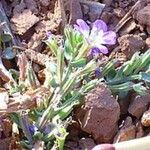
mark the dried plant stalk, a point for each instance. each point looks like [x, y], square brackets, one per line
[29, 100]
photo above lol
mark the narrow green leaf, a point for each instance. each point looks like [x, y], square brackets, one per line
[79, 63]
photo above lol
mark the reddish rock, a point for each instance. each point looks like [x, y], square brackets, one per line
[76, 11]
[129, 44]
[123, 3]
[127, 132]
[20, 23]
[146, 119]
[124, 104]
[107, 2]
[45, 3]
[139, 105]
[99, 114]
[143, 15]
[139, 130]
[148, 29]
[148, 42]
[86, 143]
[32, 5]
[106, 16]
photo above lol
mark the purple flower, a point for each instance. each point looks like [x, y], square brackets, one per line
[98, 36]
[49, 35]
[32, 129]
[97, 72]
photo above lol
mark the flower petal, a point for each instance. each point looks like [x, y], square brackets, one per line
[97, 72]
[49, 34]
[102, 49]
[109, 38]
[82, 27]
[100, 25]
[95, 51]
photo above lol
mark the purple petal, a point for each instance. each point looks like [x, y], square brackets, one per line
[109, 38]
[33, 129]
[82, 27]
[100, 25]
[49, 34]
[97, 72]
[102, 49]
[95, 51]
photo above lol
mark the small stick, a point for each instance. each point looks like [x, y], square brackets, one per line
[127, 17]
[136, 144]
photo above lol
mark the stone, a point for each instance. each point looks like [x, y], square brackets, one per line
[107, 2]
[106, 16]
[139, 130]
[22, 22]
[86, 143]
[129, 44]
[148, 29]
[139, 105]
[146, 119]
[123, 4]
[45, 3]
[148, 42]
[99, 114]
[127, 132]
[143, 16]
[32, 5]
[75, 11]
[95, 9]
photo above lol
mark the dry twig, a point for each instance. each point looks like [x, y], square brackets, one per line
[128, 16]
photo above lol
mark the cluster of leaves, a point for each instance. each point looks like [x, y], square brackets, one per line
[67, 79]
[132, 75]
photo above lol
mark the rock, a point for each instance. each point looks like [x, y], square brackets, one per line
[45, 3]
[99, 114]
[32, 5]
[19, 8]
[86, 143]
[71, 145]
[139, 105]
[148, 29]
[107, 2]
[4, 95]
[119, 12]
[127, 132]
[124, 104]
[21, 22]
[85, 9]
[6, 127]
[146, 119]
[106, 16]
[143, 35]
[129, 44]
[139, 130]
[95, 9]
[75, 11]
[147, 43]
[128, 27]
[143, 16]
